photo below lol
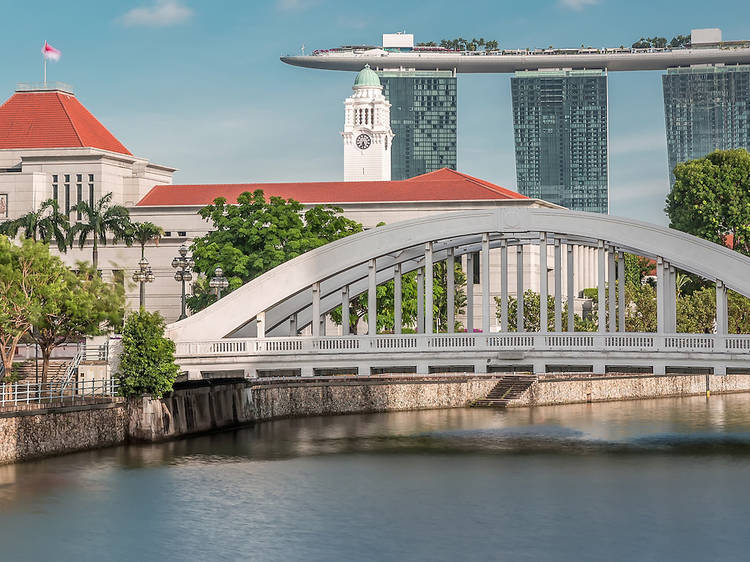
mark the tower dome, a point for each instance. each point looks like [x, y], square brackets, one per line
[367, 78]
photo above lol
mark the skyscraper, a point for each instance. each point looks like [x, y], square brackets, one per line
[705, 109]
[423, 120]
[560, 128]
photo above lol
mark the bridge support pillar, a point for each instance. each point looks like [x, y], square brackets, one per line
[571, 288]
[598, 368]
[397, 295]
[672, 300]
[260, 325]
[612, 288]
[504, 286]
[621, 292]
[485, 279]
[428, 290]
[293, 325]
[543, 290]
[480, 367]
[558, 286]
[660, 369]
[345, 311]
[307, 371]
[660, 292]
[450, 264]
[539, 367]
[422, 368]
[469, 293]
[722, 317]
[420, 300]
[372, 299]
[601, 286]
[519, 288]
[720, 370]
[315, 320]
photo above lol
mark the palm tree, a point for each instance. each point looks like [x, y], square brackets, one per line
[44, 224]
[144, 232]
[100, 220]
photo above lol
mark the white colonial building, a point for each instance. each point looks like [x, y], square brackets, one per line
[367, 130]
[52, 147]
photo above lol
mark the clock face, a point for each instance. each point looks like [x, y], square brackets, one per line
[363, 141]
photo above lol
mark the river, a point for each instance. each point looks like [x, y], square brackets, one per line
[644, 480]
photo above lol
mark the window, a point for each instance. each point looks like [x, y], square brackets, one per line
[79, 198]
[91, 177]
[91, 195]
[476, 268]
[67, 197]
[167, 234]
[182, 233]
[79, 178]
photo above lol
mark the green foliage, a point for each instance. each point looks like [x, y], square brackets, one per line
[147, 364]
[696, 311]
[461, 44]
[255, 235]
[739, 313]
[99, 221]
[651, 42]
[532, 314]
[143, 233]
[640, 315]
[711, 198]
[44, 225]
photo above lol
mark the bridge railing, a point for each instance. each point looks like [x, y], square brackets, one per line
[387, 343]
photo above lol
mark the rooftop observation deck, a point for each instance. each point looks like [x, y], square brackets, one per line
[506, 61]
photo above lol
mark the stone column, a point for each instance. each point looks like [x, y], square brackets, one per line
[519, 287]
[428, 293]
[504, 286]
[601, 286]
[558, 286]
[612, 286]
[621, 292]
[485, 280]
[345, 311]
[672, 300]
[315, 319]
[372, 299]
[420, 300]
[722, 309]
[450, 270]
[470, 292]
[660, 292]
[571, 290]
[397, 296]
[260, 325]
[543, 282]
[293, 325]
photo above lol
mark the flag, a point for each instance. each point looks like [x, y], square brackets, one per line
[50, 53]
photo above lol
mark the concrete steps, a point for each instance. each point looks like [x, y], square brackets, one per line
[507, 388]
[56, 372]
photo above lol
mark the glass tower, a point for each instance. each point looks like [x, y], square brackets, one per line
[560, 128]
[705, 109]
[423, 120]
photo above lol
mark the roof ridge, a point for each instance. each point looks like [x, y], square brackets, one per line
[70, 119]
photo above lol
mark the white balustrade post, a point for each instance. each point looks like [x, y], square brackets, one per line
[503, 286]
[660, 312]
[571, 289]
[345, 310]
[612, 289]
[543, 291]
[485, 280]
[621, 293]
[601, 286]
[470, 293]
[519, 288]
[450, 264]
[428, 289]
[315, 320]
[260, 323]
[558, 286]
[722, 316]
[372, 299]
[420, 300]
[397, 295]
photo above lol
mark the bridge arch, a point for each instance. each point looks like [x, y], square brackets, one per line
[298, 292]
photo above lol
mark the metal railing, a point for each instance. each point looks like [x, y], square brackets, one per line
[386, 343]
[56, 393]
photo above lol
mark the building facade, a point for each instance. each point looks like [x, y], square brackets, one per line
[561, 137]
[705, 109]
[423, 119]
[367, 131]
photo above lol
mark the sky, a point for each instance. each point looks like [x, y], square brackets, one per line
[198, 85]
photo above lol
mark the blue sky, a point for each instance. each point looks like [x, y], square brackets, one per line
[198, 84]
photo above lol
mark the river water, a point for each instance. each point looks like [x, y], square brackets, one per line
[649, 480]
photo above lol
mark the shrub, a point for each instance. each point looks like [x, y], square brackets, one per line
[147, 365]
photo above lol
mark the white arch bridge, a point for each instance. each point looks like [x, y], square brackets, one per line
[294, 298]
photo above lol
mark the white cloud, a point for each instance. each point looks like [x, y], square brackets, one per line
[577, 5]
[162, 13]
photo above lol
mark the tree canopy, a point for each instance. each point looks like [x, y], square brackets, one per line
[256, 235]
[46, 224]
[99, 221]
[711, 198]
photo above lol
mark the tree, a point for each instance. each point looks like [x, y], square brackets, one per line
[147, 364]
[99, 221]
[45, 224]
[255, 235]
[70, 305]
[532, 314]
[143, 233]
[711, 198]
[680, 41]
[640, 314]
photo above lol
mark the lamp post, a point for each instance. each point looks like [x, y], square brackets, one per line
[218, 282]
[183, 264]
[143, 275]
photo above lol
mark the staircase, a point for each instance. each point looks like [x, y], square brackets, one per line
[55, 373]
[507, 388]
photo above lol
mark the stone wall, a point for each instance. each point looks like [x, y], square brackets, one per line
[570, 390]
[42, 433]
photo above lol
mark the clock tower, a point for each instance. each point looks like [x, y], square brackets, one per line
[367, 130]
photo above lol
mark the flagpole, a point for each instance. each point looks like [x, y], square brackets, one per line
[44, 64]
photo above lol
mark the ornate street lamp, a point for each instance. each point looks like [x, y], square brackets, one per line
[183, 264]
[218, 282]
[143, 275]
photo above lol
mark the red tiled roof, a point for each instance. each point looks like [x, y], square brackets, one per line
[440, 185]
[52, 119]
